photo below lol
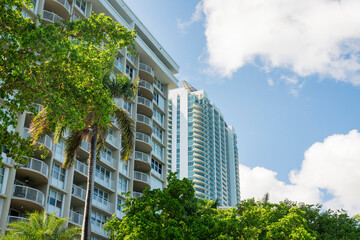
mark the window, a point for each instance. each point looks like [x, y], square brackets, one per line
[75, 16]
[159, 85]
[2, 173]
[102, 173]
[81, 5]
[55, 202]
[98, 219]
[59, 149]
[123, 185]
[157, 150]
[159, 100]
[127, 106]
[129, 71]
[158, 132]
[118, 204]
[158, 116]
[58, 176]
[156, 166]
[100, 195]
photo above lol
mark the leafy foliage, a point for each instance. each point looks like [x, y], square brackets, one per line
[43, 227]
[175, 213]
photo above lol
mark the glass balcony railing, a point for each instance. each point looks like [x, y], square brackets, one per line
[78, 192]
[38, 166]
[30, 194]
[137, 194]
[146, 68]
[109, 160]
[81, 167]
[140, 156]
[146, 85]
[104, 181]
[140, 176]
[143, 137]
[112, 140]
[85, 145]
[103, 204]
[144, 101]
[52, 17]
[143, 119]
[76, 218]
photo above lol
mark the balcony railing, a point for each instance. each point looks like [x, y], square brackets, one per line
[137, 194]
[50, 16]
[76, 218]
[46, 140]
[104, 181]
[38, 166]
[142, 157]
[142, 177]
[143, 119]
[98, 228]
[85, 145]
[106, 158]
[146, 85]
[30, 194]
[78, 192]
[112, 139]
[144, 67]
[65, 3]
[12, 219]
[144, 101]
[143, 137]
[103, 204]
[130, 57]
[81, 167]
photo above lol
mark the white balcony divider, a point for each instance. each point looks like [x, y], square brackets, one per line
[81, 167]
[65, 3]
[146, 85]
[51, 16]
[16, 219]
[144, 67]
[143, 119]
[38, 166]
[103, 204]
[142, 177]
[143, 137]
[137, 194]
[29, 193]
[109, 160]
[142, 157]
[78, 192]
[85, 145]
[112, 139]
[104, 181]
[144, 101]
[76, 218]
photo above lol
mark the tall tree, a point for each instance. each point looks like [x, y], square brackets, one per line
[41, 226]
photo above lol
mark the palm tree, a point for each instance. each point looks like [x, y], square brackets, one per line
[95, 131]
[41, 226]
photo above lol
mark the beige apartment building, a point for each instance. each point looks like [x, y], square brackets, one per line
[44, 185]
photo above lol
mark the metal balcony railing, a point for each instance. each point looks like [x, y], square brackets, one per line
[140, 156]
[143, 137]
[65, 3]
[144, 119]
[146, 85]
[112, 139]
[46, 140]
[137, 194]
[109, 160]
[30, 194]
[50, 16]
[103, 204]
[76, 218]
[144, 101]
[12, 219]
[144, 67]
[142, 177]
[81, 167]
[37, 165]
[78, 192]
[104, 181]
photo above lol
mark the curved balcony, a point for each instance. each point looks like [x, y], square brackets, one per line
[143, 142]
[142, 161]
[146, 73]
[141, 181]
[36, 170]
[45, 141]
[145, 89]
[143, 124]
[27, 198]
[144, 106]
[62, 7]
[50, 17]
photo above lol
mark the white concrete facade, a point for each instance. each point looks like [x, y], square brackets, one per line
[202, 147]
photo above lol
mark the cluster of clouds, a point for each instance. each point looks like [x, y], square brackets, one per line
[330, 174]
[305, 37]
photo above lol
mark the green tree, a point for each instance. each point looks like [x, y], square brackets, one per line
[41, 226]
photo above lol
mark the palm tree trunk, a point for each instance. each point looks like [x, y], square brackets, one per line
[86, 228]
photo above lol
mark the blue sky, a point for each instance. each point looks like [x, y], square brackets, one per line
[283, 86]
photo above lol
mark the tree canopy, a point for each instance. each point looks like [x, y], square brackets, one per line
[175, 213]
[61, 66]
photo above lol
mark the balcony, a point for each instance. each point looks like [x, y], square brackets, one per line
[63, 7]
[104, 181]
[130, 57]
[143, 124]
[141, 181]
[85, 145]
[143, 142]
[46, 140]
[107, 159]
[12, 219]
[137, 194]
[76, 218]
[145, 89]
[103, 204]
[78, 192]
[36, 170]
[146, 72]
[81, 167]
[145, 106]
[97, 227]
[50, 17]
[29, 198]
[123, 168]
[112, 140]
[142, 161]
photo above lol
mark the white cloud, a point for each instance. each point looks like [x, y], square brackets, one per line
[270, 82]
[332, 166]
[196, 16]
[306, 37]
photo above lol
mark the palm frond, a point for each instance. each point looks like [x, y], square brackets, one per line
[120, 86]
[73, 143]
[39, 125]
[59, 132]
[127, 132]
[102, 134]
